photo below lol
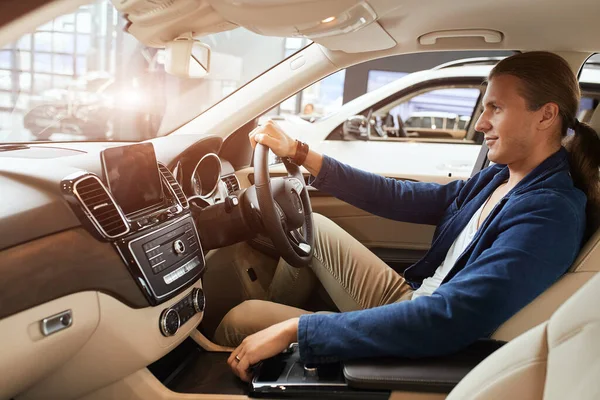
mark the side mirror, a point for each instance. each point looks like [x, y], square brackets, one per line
[187, 57]
[357, 127]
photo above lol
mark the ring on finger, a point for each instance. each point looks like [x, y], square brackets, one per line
[238, 359]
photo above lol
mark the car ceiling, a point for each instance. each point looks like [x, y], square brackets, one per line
[538, 24]
[554, 25]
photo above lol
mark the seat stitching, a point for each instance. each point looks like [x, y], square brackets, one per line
[573, 332]
[513, 368]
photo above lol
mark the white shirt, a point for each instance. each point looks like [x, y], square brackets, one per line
[431, 284]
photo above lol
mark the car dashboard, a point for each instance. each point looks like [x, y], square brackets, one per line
[102, 275]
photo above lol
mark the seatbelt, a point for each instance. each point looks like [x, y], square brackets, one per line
[482, 159]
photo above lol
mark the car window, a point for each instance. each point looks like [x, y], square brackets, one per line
[316, 101]
[429, 114]
[328, 96]
[589, 81]
[426, 109]
[81, 77]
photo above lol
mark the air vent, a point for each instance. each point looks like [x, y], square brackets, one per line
[100, 207]
[232, 183]
[175, 187]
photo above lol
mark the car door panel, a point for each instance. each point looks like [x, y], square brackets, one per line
[371, 230]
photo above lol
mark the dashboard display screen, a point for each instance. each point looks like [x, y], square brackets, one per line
[133, 177]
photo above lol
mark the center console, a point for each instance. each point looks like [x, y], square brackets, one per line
[164, 259]
[285, 375]
[140, 208]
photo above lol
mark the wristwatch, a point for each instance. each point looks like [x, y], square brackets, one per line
[301, 153]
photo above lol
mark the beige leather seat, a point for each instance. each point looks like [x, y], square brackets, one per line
[585, 267]
[559, 359]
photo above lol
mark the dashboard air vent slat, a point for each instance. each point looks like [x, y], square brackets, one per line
[100, 207]
[174, 185]
[232, 183]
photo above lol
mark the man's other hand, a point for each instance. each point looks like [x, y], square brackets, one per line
[262, 345]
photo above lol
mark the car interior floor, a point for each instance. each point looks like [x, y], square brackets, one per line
[190, 369]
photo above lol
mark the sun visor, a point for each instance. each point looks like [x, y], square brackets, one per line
[370, 38]
[157, 23]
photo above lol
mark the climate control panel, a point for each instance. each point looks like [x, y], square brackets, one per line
[165, 260]
[178, 314]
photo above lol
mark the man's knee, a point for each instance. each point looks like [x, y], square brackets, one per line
[326, 229]
[250, 317]
[235, 325]
[322, 223]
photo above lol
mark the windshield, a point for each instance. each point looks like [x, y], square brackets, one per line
[80, 77]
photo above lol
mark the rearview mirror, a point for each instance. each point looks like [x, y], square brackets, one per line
[187, 57]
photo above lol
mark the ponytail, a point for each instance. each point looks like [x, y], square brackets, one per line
[584, 160]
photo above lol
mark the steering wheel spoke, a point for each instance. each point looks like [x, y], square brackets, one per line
[297, 239]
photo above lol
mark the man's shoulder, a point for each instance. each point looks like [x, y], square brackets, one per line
[558, 202]
[556, 189]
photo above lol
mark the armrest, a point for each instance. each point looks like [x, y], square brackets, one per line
[435, 374]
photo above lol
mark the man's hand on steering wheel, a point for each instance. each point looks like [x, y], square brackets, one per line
[272, 136]
[281, 204]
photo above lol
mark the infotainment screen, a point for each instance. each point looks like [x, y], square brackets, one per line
[133, 177]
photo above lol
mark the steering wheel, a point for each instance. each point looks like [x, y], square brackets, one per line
[285, 211]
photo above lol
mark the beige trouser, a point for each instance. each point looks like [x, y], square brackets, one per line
[354, 278]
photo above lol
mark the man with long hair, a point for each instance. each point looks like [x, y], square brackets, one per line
[503, 236]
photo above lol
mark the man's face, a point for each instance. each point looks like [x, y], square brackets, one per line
[509, 127]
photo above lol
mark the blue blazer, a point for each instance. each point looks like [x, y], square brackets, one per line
[527, 242]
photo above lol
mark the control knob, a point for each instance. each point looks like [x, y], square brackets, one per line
[198, 299]
[169, 322]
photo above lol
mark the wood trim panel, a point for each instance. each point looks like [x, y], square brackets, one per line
[60, 264]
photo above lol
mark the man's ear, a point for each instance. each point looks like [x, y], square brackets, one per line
[548, 116]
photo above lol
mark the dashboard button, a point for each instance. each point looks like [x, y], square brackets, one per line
[179, 246]
[169, 322]
[230, 203]
[198, 299]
